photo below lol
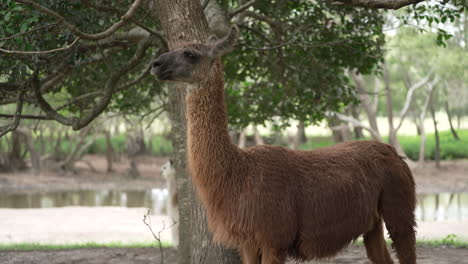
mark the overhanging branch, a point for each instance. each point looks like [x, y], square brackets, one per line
[83, 35]
[378, 4]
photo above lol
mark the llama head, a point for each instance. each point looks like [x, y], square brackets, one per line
[193, 62]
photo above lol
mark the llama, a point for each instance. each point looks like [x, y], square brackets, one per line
[168, 172]
[273, 203]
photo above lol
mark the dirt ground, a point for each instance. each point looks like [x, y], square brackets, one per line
[352, 255]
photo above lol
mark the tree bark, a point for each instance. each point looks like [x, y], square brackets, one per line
[109, 151]
[452, 129]
[35, 157]
[437, 140]
[184, 21]
[427, 103]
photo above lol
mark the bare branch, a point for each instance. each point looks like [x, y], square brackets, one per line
[241, 8]
[46, 107]
[409, 97]
[378, 4]
[17, 116]
[29, 31]
[356, 123]
[123, 20]
[41, 51]
[147, 222]
[26, 117]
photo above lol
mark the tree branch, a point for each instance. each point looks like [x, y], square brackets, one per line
[46, 107]
[29, 31]
[123, 20]
[241, 8]
[17, 116]
[41, 51]
[356, 123]
[409, 97]
[109, 88]
[26, 117]
[378, 4]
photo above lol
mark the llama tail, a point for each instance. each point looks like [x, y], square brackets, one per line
[398, 205]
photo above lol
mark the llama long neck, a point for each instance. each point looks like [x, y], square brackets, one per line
[210, 151]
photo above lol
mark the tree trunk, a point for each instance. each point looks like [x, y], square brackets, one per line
[357, 130]
[242, 139]
[109, 151]
[35, 157]
[258, 137]
[437, 140]
[454, 132]
[183, 20]
[15, 160]
[421, 121]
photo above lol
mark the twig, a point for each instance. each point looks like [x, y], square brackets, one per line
[158, 236]
[123, 20]
[26, 117]
[41, 51]
[29, 31]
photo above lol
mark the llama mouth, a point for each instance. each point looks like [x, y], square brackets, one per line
[164, 76]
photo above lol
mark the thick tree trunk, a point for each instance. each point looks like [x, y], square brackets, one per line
[452, 129]
[182, 21]
[437, 140]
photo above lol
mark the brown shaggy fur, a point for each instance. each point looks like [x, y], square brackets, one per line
[273, 202]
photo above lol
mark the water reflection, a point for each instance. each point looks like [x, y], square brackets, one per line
[433, 207]
[154, 198]
[442, 206]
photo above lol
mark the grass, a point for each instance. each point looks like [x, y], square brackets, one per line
[451, 241]
[449, 147]
[40, 246]
[160, 145]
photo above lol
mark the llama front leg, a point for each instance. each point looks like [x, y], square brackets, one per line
[250, 254]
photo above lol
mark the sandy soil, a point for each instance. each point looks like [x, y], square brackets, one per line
[352, 255]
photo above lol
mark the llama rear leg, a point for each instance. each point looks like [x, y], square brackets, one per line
[404, 241]
[250, 254]
[376, 247]
[272, 256]
[398, 207]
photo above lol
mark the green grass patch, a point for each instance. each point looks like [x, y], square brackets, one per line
[449, 147]
[40, 246]
[451, 241]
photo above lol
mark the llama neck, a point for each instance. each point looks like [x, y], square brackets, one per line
[210, 151]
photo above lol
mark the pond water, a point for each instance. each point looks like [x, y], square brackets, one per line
[431, 207]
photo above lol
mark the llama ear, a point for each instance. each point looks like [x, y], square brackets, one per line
[226, 44]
